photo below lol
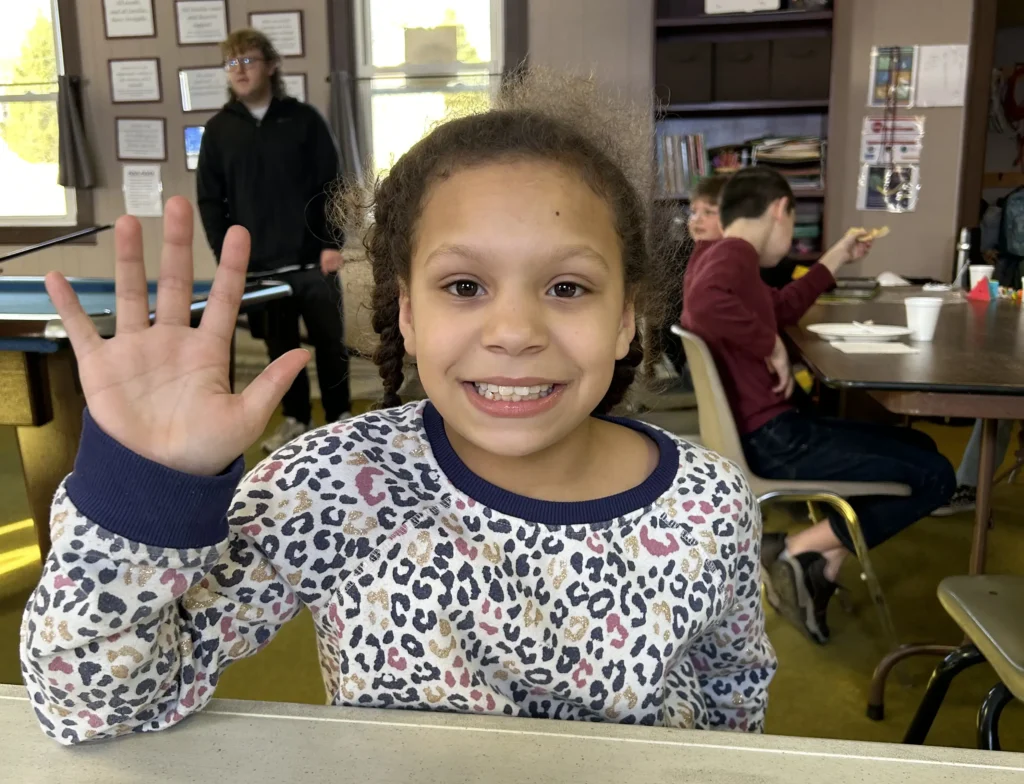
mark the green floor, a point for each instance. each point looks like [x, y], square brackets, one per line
[818, 691]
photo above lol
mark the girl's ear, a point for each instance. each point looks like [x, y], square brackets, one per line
[627, 330]
[405, 319]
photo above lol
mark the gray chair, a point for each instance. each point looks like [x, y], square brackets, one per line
[988, 608]
[718, 432]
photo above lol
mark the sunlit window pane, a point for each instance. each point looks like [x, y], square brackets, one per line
[28, 118]
[403, 111]
[439, 29]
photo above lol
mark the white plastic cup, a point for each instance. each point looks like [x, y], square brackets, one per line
[922, 317]
[979, 271]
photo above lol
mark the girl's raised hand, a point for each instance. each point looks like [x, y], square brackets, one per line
[162, 390]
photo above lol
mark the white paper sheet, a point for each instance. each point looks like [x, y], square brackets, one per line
[851, 347]
[143, 190]
[942, 75]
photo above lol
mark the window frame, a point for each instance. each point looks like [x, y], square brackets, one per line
[69, 53]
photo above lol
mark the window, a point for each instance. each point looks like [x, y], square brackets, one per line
[30, 61]
[420, 61]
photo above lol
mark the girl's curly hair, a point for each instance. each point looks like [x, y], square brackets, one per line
[538, 115]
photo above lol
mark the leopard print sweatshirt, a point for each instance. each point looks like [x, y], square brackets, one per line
[430, 588]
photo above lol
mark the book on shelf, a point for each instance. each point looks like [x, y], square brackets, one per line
[682, 160]
[800, 159]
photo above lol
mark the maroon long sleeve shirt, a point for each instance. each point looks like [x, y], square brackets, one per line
[738, 315]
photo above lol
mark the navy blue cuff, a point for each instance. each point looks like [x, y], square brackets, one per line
[144, 501]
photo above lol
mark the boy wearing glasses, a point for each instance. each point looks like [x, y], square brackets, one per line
[267, 162]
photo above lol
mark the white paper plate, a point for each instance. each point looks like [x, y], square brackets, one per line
[862, 333]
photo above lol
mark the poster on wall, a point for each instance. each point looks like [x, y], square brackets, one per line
[941, 75]
[295, 85]
[141, 139]
[135, 81]
[888, 188]
[143, 190]
[193, 141]
[893, 69]
[904, 134]
[128, 19]
[201, 21]
[202, 89]
[283, 28]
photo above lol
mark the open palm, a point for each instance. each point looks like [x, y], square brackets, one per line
[163, 390]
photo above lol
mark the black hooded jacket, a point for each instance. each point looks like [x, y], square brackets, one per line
[271, 177]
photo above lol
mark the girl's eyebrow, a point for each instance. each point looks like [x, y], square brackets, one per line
[558, 254]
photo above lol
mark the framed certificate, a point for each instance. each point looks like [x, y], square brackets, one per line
[135, 80]
[193, 141]
[141, 139]
[203, 89]
[295, 85]
[128, 19]
[201, 22]
[283, 28]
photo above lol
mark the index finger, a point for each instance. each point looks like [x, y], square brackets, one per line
[80, 328]
[228, 285]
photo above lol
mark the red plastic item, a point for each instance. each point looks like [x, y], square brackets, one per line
[981, 293]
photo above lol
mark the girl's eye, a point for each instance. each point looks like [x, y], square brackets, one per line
[566, 290]
[464, 288]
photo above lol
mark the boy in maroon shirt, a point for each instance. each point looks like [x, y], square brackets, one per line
[739, 317]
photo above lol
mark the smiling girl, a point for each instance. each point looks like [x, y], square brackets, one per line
[502, 547]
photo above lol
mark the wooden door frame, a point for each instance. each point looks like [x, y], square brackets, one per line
[981, 58]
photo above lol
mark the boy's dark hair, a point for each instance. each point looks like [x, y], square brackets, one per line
[749, 192]
[522, 127]
[708, 189]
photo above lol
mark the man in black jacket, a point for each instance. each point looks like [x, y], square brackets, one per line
[267, 163]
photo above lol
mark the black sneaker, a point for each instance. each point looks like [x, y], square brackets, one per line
[803, 593]
[772, 546]
[964, 500]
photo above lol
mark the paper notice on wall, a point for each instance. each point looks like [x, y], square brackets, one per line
[891, 140]
[143, 191]
[942, 75]
[888, 188]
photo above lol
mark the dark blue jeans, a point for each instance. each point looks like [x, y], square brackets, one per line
[800, 446]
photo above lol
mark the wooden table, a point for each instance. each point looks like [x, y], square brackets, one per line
[234, 742]
[973, 368]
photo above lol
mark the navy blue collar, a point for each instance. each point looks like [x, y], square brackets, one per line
[555, 512]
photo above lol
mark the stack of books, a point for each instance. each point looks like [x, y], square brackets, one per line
[682, 160]
[799, 158]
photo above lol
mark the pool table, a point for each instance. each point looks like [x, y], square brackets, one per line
[39, 389]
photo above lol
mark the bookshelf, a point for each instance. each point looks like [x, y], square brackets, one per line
[733, 78]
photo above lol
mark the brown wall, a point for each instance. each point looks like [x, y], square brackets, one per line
[921, 242]
[614, 39]
[98, 260]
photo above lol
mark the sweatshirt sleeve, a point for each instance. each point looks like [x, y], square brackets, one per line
[718, 311]
[794, 299]
[153, 586]
[211, 194]
[734, 661]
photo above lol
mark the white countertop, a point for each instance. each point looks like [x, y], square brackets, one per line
[237, 741]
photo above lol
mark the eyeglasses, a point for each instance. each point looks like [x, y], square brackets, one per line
[234, 62]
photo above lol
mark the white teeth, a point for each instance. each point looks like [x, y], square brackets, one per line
[513, 394]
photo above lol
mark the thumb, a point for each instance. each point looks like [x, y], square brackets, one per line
[265, 392]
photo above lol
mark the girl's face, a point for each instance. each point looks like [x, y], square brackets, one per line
[515, 309]
[704, 223]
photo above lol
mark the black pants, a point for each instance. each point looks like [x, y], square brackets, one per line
[795, 445]
[317, 299]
